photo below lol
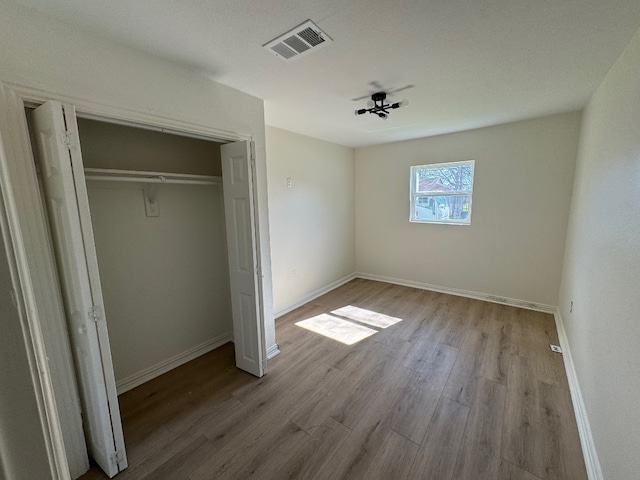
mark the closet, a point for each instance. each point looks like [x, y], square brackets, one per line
[161, 246]
[154, 239]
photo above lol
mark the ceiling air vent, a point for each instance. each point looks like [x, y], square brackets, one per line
[300, 41]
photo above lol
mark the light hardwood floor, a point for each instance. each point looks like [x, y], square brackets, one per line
[459, 389]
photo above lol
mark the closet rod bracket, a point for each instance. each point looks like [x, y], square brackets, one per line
[151, 207]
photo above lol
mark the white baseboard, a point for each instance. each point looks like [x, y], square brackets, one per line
[273, 350]
[540, 307]
[315, 294]
[594, 471]
[154, 371]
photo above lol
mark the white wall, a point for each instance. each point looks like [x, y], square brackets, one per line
[127, 148]
[165, 279]
[45, 54]
[522, 189]
[23, 452]
[602, 267]
[312, 224]
[40, 52]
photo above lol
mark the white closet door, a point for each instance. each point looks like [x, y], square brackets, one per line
[237, 185]
[68, 206]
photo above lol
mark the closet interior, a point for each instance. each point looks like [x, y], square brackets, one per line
[157, 212]
[158, 220]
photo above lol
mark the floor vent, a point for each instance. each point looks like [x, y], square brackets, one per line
[302, 40]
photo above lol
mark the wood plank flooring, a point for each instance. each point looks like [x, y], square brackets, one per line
[459, 389]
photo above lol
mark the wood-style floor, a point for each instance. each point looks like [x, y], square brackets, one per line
[459, 389]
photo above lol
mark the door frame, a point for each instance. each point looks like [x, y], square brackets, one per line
[28, 231]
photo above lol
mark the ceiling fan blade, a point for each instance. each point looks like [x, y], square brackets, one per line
[380, 88]
[396, 90]
[361, 98]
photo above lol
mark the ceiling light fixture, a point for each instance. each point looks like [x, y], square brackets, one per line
[378, 107]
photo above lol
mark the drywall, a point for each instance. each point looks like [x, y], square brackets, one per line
[601, 273]
[165, 279]
[68, 64]
[312, 223]
[126, 148]
[23, 450]
[522, 189]
[44, 53]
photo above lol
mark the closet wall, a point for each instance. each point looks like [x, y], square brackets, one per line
[109, 145]
[165, 279]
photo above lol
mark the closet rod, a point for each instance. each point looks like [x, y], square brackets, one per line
[160, 179]
[104, 174]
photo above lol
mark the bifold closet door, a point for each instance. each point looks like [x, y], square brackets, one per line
[237, 186]
[68, 207]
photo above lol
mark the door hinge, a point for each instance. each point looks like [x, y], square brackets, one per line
[252, 149]
[117, 457]
[94, 313]
[67, 139]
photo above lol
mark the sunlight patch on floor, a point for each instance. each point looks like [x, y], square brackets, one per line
[336, 328]
[362, 315]
[345, 324]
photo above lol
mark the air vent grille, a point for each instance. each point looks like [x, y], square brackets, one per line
[311, 37]
[300, 41]
[284, 51]
[297, 44]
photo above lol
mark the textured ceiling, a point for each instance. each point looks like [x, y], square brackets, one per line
[473, 62]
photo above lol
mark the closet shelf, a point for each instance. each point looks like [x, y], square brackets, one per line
[106, 174]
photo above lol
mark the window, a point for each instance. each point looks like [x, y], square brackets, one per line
[441, 193]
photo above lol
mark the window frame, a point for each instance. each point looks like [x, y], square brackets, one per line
[414, 195]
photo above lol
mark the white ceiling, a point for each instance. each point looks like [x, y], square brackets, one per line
[473, 62]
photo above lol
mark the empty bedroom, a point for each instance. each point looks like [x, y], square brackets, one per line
[320, 240]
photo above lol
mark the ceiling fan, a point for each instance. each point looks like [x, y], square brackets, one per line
[376, 103]
[379, 88]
